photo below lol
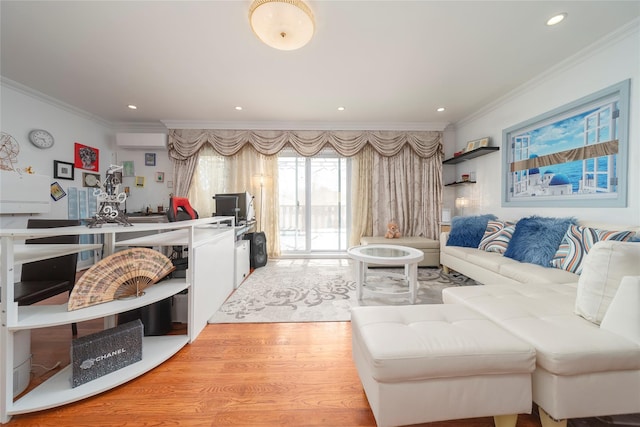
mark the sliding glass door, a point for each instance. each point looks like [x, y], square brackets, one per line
[314, 207]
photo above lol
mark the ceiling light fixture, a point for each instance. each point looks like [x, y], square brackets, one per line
[340, 108]
[556, 19]
[282, 24]
[239, 108]
[440, 109]
[132, 107]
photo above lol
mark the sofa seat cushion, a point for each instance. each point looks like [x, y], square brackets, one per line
[542, 315]
[459, 251]
[525, 272]
[492, 261]
[436, 341]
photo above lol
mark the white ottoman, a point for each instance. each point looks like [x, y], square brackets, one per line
[428, 363]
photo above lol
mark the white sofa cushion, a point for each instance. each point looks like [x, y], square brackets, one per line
[623, 316]
[604, 267]
[541, 314]
[525, 272]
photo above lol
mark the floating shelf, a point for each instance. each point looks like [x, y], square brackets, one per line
[470, 155]
[459, 183]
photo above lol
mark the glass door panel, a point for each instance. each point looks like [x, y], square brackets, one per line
[313, 204]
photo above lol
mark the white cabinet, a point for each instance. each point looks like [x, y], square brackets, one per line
[210, 247]
[242, 261]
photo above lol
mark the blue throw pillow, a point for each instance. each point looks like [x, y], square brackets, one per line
[467, 231]
[537, 239]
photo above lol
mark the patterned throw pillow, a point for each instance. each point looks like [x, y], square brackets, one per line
[577, 242]
[497, 236]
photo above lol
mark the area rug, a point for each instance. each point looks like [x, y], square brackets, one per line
[322, 290]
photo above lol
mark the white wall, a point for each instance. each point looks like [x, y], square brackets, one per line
[22, 111]
[154, 193]
[615, 58]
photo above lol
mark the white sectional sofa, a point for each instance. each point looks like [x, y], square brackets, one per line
[492, 267]
[585, 328]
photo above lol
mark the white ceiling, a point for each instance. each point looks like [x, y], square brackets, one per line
[389, 63]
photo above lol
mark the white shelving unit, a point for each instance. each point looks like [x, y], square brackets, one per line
[210, 246]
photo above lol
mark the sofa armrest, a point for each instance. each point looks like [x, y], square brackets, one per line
[623, 314]
[444, 236]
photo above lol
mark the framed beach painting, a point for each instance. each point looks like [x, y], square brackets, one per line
[573, 156]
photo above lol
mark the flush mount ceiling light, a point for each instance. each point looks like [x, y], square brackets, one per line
[556, 19]
[282, 24]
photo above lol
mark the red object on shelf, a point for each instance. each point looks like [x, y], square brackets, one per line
[457, 153]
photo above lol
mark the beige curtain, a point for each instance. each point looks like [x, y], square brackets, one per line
[185, 143]
[397, 174]
[361, 196]
[406, 189]
[247, 170]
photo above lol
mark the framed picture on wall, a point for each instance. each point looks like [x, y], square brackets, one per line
[128, 168]
[574, 155]
[57, 192]
[86, 157]
[90, 180]
[63, 170]
[149, 159]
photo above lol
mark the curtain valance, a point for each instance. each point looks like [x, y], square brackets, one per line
[185, 143]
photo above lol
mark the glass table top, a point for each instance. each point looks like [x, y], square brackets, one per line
[384, 252]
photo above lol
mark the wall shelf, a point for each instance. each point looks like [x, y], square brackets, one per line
[470, 155]
[459, 183]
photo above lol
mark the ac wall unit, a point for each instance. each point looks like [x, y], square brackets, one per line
[142, 141]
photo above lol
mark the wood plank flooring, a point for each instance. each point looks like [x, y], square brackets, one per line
[286, 374]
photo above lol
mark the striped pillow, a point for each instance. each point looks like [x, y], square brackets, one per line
[497, 236]
[577, 242]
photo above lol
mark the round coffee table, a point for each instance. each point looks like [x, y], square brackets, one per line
[386, 255]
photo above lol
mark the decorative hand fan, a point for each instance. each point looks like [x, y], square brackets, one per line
[120, 275]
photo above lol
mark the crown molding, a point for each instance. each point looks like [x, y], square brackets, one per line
[595, 48]
[25, 90]
[401, 126]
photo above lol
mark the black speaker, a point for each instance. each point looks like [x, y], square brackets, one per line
[257, 249]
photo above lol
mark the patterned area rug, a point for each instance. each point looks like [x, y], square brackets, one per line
[321, 290]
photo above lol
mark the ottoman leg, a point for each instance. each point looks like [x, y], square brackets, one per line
[445, 269]
[547, 421]
[505, 420]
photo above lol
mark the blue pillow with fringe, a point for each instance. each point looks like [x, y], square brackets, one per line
[467, 231]
[536, 239]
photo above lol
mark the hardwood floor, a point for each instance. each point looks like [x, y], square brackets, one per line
[286, 374]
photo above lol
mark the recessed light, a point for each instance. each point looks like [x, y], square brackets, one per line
[440, 109]
[132, 107]
[340, 108]
[556, 19]
[239, 108]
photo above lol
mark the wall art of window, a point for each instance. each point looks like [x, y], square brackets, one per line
[575, 155]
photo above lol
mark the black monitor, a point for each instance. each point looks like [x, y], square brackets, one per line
[234, 204]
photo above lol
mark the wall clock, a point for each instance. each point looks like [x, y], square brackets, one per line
[41, 138]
